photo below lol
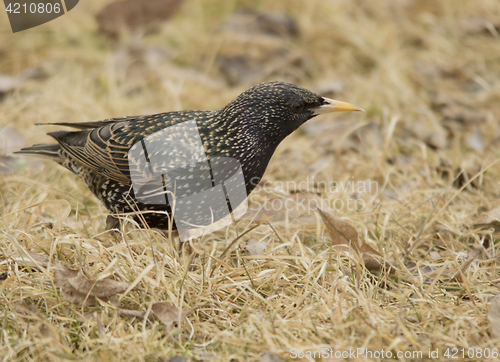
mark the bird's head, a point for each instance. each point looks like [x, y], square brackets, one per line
[279, 108]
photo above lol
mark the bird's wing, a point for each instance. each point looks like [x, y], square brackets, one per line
[123, 148]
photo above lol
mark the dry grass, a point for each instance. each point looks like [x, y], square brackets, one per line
[412, 65]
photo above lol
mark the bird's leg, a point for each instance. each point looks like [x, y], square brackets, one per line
[185, 247]
[113, 224]
[188, 253]
[168, 233]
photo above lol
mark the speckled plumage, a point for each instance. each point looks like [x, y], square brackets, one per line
[248, 130]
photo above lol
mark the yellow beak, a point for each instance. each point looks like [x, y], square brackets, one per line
[331, 105]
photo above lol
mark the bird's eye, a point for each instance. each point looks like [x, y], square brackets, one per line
[298, 107]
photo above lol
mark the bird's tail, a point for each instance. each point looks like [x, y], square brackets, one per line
[48, 150]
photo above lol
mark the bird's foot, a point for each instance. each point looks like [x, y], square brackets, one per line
[113, 225]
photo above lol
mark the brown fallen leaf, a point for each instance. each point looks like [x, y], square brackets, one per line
[427, 69]
[40, 258]
[295, 208]
[77, 288]
[478, 25]
[28, 258]
[9, 83]
[429, 272]
[463, 116]
[330, 88]
[168, 314]
[342, 233]
[368, 139]
[178, 359]
[258, 48]
[237, 67]
[133, 14]
[136, 61]
[259, 22]
[271, 357]
[475, 140]
[342, 135]
[489, 220]
[48, 330]
[473, 255]
[434, 136]
[255, 247]
[28, 308]
[10, 140]
[494, 316]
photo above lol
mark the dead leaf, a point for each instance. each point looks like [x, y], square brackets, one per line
[344, 135]
[296, 208]
[434, 137]
[440, 101]
[368, 139]
[427, 69]
[28, 308]
[49, 331]
[464, 116]
[278, 62]
[39, 258]
[330, 88]
[475, 140]
[475, 26]
[29, 258]
[434, 255]
[342, 233]
[177, 359]
[258, 48]
[473, 255]
[430, 272]
[8, 83]
[136, 61]
[259, 22]
[77, 288]
[255, 247]
[10, 140]
[494, 316]
[489, 219]
[271, 357]
[133, 14]
[168, 314]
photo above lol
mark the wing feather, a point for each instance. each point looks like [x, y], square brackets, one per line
[103, 146]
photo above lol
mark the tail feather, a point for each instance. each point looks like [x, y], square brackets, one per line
[91, 124]
[75, 139]
[51, 151]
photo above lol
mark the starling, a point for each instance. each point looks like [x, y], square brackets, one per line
[199, 164]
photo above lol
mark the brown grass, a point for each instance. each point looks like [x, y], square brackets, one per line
[428, 77]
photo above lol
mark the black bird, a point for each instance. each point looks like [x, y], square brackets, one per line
[205, 163]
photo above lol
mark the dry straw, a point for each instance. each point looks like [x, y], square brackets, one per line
[426, 72]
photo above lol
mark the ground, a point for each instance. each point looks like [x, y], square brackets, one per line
[416, 176]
